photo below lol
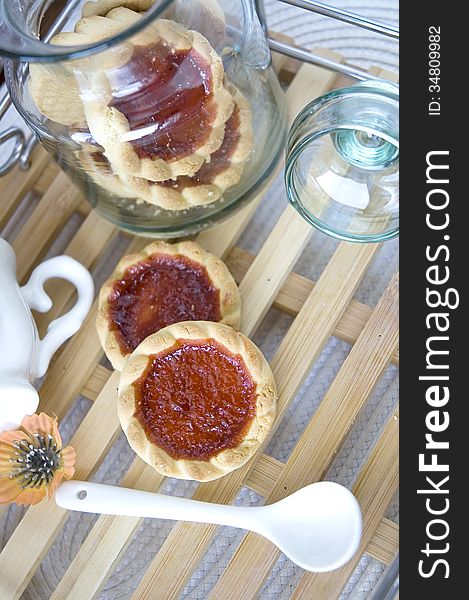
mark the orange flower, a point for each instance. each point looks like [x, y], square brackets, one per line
[32, 460]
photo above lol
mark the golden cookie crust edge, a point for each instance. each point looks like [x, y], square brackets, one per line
[171, 199]
[227, 460]
[218, 273]
[108, 124]
[102, 7]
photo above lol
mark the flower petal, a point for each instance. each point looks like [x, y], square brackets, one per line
[54, 484]
[56, 433]
[13, 459]
[69, 457]
[10, 437]
[7, 451]
[31, 495]
[9, 490]
[44, 424]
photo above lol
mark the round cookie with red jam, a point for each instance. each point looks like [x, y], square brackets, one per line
[102, 7]
[95, 163]
[196, 400]
[222, 172]
[163, 284]
[56, 94]
[162, 113]
[60, 90]
[100, 171]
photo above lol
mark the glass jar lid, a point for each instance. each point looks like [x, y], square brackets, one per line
[342, 168]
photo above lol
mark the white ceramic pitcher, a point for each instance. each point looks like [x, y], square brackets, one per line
[23, 355]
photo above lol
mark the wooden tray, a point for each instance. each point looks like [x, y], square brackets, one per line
[321, 309]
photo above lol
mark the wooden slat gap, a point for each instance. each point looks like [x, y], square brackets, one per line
[16, 184]
[376, 485]
[51, 213]
[293, 294]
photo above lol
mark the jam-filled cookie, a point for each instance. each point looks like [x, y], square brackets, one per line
[99, 169]
[196, 400]
[95, 163]
[60, 90]
[56, 94]
[213, 178]
[163, 113]
[163, 284]
[206, 16]
[102, 7]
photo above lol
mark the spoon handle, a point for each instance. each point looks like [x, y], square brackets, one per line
[113, 500]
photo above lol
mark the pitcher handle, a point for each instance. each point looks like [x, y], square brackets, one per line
[65, 326]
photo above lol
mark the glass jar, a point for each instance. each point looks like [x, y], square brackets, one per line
[342, 166]
[166, 113]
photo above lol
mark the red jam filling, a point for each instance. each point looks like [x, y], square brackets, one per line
[157, 292]
[195, 399]
[173, 95]
[219, 161]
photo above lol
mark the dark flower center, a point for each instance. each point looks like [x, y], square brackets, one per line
[35, 465]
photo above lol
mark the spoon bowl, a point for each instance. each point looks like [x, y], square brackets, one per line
[317, 527]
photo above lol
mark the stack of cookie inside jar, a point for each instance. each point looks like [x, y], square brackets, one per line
[196, 397]
[159, 124]
[162, 131]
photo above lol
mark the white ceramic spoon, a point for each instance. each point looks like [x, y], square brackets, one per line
[317, 527]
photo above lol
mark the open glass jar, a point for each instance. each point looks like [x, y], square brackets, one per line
[166, 113]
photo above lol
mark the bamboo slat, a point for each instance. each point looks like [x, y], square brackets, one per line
[95, 382]
[271, 267]
[314, 451]
[53, 210]
[280, 62]
[385, 541]
[46, 178]
[68, 373]
[264, 474]
[106, 542]
[94, 228]
[310, 82]
[293, 293]
[221, 239]
[15, 185]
